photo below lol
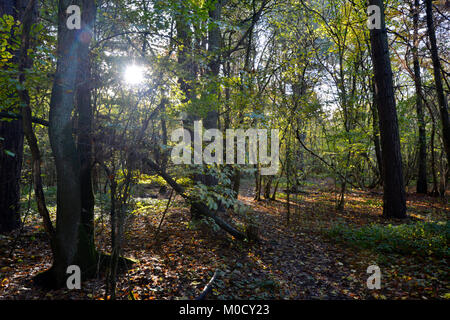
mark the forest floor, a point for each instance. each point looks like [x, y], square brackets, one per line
[295, 260]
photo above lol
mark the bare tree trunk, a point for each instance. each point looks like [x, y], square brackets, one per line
[257, 196]
[443, 108]
[236, 181]
[11, 152]
[394, 199]
[275, 189]
[86, 254]
[435, 191]
[165, 153]
[29, 17]
[64, 151]
[268, 187]
[376, 134]
[214, 45]
[422, 185]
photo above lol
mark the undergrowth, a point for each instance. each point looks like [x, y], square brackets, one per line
[419, 238]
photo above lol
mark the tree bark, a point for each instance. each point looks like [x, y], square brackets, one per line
[422, 185]
[64, 151]
[443, 107]
[29, 17]
[87, 253]
[434, 191]
[212, 115]
[376, 134]
[394, 199]
[11, 134]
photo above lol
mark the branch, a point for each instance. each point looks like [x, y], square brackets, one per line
[254, 19]
[11, 115]
[207, 289]
[163, 216]
[132, 32]
[323, 160]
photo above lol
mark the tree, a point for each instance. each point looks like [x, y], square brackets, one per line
[422, 141]
[394, 201]
[25, 62]
[64, 151]
[11, 146]
[442, 100]
[187, 59]
[87, 254]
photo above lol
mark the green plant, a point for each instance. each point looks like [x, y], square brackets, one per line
[421, 238]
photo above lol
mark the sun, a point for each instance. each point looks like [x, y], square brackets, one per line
[134, 74]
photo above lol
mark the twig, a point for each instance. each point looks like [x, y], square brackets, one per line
[324, 161]
[163, 216]
[11, 115]
[207, 289]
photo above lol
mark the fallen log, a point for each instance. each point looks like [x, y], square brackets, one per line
[199, 207]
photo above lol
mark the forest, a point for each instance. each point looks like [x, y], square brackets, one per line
[224, 149]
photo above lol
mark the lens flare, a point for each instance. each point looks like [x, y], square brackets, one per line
[134, 74]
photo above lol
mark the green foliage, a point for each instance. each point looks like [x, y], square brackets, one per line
[9, 43]
[149, 205]
[421, 238]
[220, 193]
[38, 77]
[154, 180]
[157, 181]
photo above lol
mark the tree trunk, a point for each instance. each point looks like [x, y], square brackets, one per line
[187, 71]
[236, 181]
[214, 44]
[11, 134]
[86, 254]
[376, 134]
[422, 141]
[164, 136]
[25, 62]
[257, 196]
[66, 157]
[443, 108]
[435, 191]
[11, 141]
[268, 187]
[394, 200]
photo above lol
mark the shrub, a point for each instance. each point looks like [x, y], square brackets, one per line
[421, 238]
